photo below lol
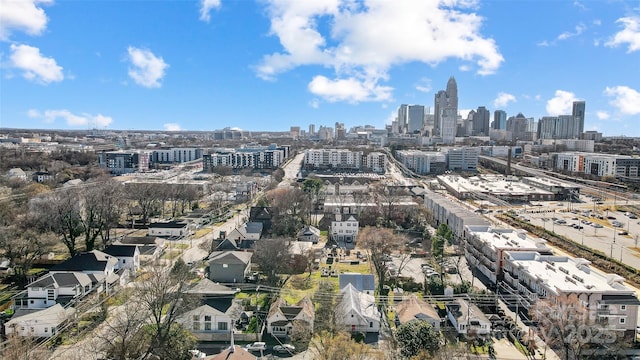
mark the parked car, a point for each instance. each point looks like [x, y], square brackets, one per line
[256, 346]
[284, 349]
[623, 233]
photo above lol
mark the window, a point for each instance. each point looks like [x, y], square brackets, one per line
[223, 326]
[225, 265]
[46, 330]
[196, 322]
[207, 322]
[623, 307]
[623, 320]
[371, 324]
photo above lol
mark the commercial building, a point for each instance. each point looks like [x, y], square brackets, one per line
[446, 211]
[175, 155]
[620, 166]
[463, 158]
[485, 246]
[423, 162]
[445, 99]
[499, 120]
[480, 120]
[505, 188]
[121, 162]
[535, 276]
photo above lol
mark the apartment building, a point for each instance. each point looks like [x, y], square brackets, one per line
[333, 159]
[423, 162]
[124, 162]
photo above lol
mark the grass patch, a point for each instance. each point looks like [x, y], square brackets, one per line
[170, 255]
[202, 232]
[324, 233]
[180, 246]
[479, 350]
[35, 271]
[523, 349]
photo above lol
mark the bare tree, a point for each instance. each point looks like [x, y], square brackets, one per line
[380, 243]
[121, 336]
[565, 325]
[18, 347]
[273, 258]
[146, 196]
[327, 346]
[22, 247]
[60, 213]
[100, 211]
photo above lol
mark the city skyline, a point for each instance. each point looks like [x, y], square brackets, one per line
[269, 65]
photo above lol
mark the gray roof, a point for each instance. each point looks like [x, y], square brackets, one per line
[207, 287]
[230, 257]
[309, 230]
[254, 227]
[55, 314]
[168, 225]
[361, 282]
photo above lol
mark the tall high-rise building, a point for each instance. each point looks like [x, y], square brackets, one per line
[481, 121]
[578, 114]
[403, 113]
[341, 131]
[444, 99]
[415, 118]
[499, 120]
[312, 129]
[449, 120]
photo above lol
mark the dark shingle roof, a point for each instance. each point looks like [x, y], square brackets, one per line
[88, 261]
[168, 225]
[254, 227]
[120, 250]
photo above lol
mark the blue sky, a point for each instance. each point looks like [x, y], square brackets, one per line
[272, 64]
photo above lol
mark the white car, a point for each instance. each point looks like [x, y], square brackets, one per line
[256, 346]
[284, 349]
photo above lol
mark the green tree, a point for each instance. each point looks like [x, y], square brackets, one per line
[417, 335]
[340, 346]
[325, 315]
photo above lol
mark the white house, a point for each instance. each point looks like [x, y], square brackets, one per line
[309, 233]
[206, 319]
[99, 266]
[467, 318]
[344, 230]
[247, 231]
[169, 229]
[357, 311]
[128, 256]
[40, 324]
[54, 288]
[282, 315]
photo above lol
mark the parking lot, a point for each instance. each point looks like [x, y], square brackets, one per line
[614, 233]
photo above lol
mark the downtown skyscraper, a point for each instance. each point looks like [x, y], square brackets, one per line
[445, 99]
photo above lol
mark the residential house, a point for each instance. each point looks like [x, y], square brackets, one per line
[16, 174]
[53, 288]
[467, 318]
[357, 311]
[206, 319]
[40, 324]
[344, 230]
[309, 233]
[261, 214]
[128, 256]
[412, 309]
[42, 176]
[169, 229]
[229, 266]
[150, 247]
[5, 267]
[234, 352]
[282, 315]
[365, 283]
[246, 233]
[227, 245]
[99, 266]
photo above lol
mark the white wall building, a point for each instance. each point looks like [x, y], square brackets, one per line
[333, 159]
[344, 230]
[40, 324]
[535, 276]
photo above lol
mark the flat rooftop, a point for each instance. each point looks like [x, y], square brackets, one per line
[564, 274]
[508, 239]
[496, 185]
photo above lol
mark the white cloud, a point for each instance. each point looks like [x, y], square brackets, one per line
[172, 127]
[626, 100]
[561, 103]
[602, 115]
[147, 69]
[314, 103]
[503, 99]
[72, 120]
[579, 29]
[206, 6]
[424, 85]
[630, 34]
[365, 40]
[35, 67]
[22, 15]
[350, 89]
